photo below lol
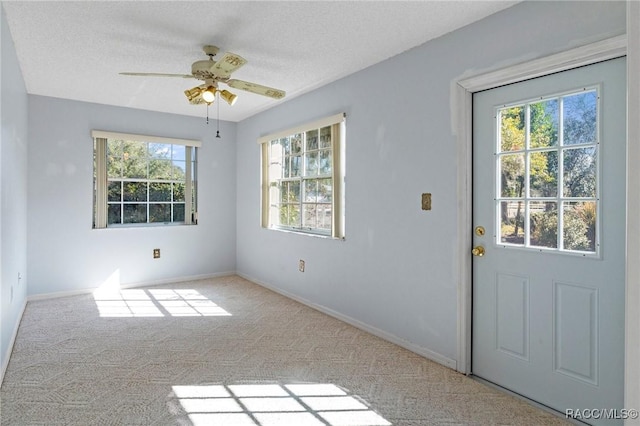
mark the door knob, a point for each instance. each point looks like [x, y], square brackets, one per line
[478, 251]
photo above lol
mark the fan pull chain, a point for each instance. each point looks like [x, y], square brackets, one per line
[207, 113]
[218, 119]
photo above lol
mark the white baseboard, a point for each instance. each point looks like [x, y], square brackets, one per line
[427, 353]
[57, 294]
[7, 355]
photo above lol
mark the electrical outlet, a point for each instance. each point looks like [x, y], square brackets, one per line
[426, 201]
[156, 253]
[301, 265]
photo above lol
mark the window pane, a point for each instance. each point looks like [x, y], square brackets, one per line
[325, 189]
[135, 191]
[113, 214]
[286, 171]
[543, 178]
[579, 226]
[512, 222]
[296, 166]
[544, 224]
[309, 216]
[580, 113]
[580, 172]
[512, 135]
[135, 168]
[178, 192]
[134, 155]
[312, 140]
[159, 192]
[179, 152]
[160, 212]
[114, 159]
[159, 169]
[310, 190]
[512, 175]
[283, 188]
[286, 145]
[134, 213]
[324, 216]
[178, 212]
[283, 212]
[179, 170]
[294, 215]
[160, 150]
[543, 122]
[296, 144]
[325, 162]
[294, 191]
[114, 191]
[325, 137]
[311, 164]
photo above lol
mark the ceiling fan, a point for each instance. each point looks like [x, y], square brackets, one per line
[214, 72]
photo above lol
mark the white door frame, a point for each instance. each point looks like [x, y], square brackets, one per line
[462, 115]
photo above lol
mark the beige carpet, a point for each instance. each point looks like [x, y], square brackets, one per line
[227, 352]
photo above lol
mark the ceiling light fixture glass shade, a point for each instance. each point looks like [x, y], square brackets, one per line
[228, 96]
[209, 95]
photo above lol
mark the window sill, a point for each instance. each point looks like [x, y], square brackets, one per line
[305, 233]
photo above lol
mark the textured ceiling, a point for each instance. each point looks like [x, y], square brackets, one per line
[75, 50]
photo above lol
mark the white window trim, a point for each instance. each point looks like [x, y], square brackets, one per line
[337, 152]
[100, 138]
[144, 138]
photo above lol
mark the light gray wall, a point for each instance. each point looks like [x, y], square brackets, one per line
[396, 270]
[66, 254]
[13, 191]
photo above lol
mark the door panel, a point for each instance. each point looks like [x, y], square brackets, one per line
[549, 187]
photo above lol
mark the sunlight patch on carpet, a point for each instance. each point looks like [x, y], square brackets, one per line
[155, 303]
[308, 404]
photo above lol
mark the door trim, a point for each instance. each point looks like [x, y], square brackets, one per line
[462, 113]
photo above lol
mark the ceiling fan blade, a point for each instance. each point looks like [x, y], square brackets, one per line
[154, 74]
[257, 88]
[227, 64]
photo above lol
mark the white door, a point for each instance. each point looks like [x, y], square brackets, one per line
[549, 191]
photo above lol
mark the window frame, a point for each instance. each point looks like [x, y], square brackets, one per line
[337, 124]
[101, 178]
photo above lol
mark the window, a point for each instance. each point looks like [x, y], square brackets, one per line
[547, 184]
[140, 180]
[303, 176]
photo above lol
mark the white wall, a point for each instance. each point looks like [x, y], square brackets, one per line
[13, 192]
[396, 270]
[65, 254]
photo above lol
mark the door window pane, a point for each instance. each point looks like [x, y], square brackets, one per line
[512, 175]
[543, 174]
[543, 223]
[579, 226]
[580, 118]
[580, 172]
[543, 122]
[512, 130]
[512, 222]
